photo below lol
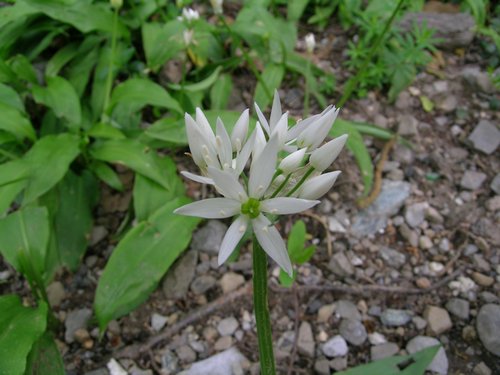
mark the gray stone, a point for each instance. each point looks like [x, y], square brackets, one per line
[231, 281]
[98, 233]
[176, 283]
[335, 347]
[495, 184]
[335, 226]
[373, 219]
[485, 137]
[305, 341]
[325, 312]
[209, 238]
[158, 322]
[419, 322]
[223, 343]
[395, 317]
[353, 331]
[440, 362]
[75, 320]
[392, 257]
[472, 180]
[403, 101]
[186, 354]
[202, 284]
[415, 214]
[481, 369]
[488, 327]
[99, 371]
[477, 80]
[228, 362]
[339, 364]
[169, 362]
[458, 307]
[56, 293]
[228, 326]
[447, 103]
[138, 371]
[488, 297]
[438, 320]
[322, 367]
[340, 265]
[385, 350]
[346, 309]
[407, 125]
[493, 204]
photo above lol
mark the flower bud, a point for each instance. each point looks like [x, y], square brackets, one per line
[117, 4]
[318, 186]
[324, 156]
[292, 161]
[310, 43]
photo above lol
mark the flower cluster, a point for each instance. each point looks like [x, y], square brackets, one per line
[285, 177]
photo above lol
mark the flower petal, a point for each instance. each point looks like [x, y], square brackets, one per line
[275, 111]
[260, 141]
[318, 186]
[240, 131]
[212, 208]
[227, 184]
[204, 125]
[324, 156]
[223, 145]
[194, 135]
[233, 235]
[286, 205]
[244, 154]
[262, 119]
[263, 168]
[197, 178]
[272, 243]
[300, 126]
[292, 161]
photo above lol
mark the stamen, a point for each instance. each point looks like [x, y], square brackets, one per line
[242, 228]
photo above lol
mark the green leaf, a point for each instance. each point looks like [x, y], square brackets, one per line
[106, 174]
[49, 160]
[61, 97]
[140, 260]
[149, 196]
[138, 92]
[20, 327]
[10, 97]
[199, 86]
[418, 362]
[134, 155]
[13, 179]
[61, 58]
[26, 230]
[44, 358]
[8, 194]
[221, 92]
[14, 122]
[286, 280]
[358, 148]
[105, 131]
[296, 239]
[162, 42]
[23, 69]
[78, 72]
[296, 9]
[272, 76]
[14, 12]
[169, 130]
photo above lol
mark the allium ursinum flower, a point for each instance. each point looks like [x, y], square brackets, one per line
[250, 206]
[310, 43]
[189, 14]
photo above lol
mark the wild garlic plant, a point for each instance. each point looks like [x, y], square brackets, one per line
[286, 176]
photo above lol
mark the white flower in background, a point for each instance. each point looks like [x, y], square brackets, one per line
[250, 207]
[189, 15]
[188, 37]
[286, 172]
[310, 43]
[217, 6]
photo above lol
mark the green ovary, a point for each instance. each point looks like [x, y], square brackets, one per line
[251, 208]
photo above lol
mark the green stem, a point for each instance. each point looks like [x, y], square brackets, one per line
[302, 180]
[352, 83]
[109, 78]
[306, 91]
[262, 318]
[282, 185]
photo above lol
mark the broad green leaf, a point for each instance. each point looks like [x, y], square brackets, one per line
[201, 85]
[414, 364]
[61, 97]
[358, 148]
[8, 194]
[149, 196]
[61, 58]
[296, 240]
[14, 12]
[204, 47]
[78, 72]
[20, 328]
[25, 230]
[134, 155]
[105, 131]
[140, 260]
[272, 76]
[49, 160]
[221, 92]
[295, 8]
[286, 280]
[139, 92]
[162, 42]
[14, 122]
[23, 69]
[106, 174]
[44, 358]
[10, 97]
[13, 178]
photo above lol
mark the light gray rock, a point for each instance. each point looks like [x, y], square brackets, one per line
[392, 257]
[169, 362]
[202, 284]
[209, 238]
[339, 363]
[228, 362]
[459, 308]
[495, 184]
[395, 317]
[305, 342]
[373, 219]
[472, 180]
[447, 103]
[158, 321]
[438, 320]
[440, 362]
[335, 347]
[485, 137]
[407, 125]
[346, 309]
[477, 80]
[98, 233]
[353, 331]
[186, 354]
[176, 283]
[340, 265]
[322, 367]
[415, 214]
[75, 320]
[56, 293]
[481, 369]
[231, 281]
[488, 327]
[99, 371]
[227, 326]
[385, 350]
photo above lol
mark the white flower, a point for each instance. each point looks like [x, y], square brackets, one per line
[249, 207]
[293, 161]
[188, 37]
[310, 43]
[217, 6]
[189, 15]
[324, 156]
[318, 186]
[315, 133]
